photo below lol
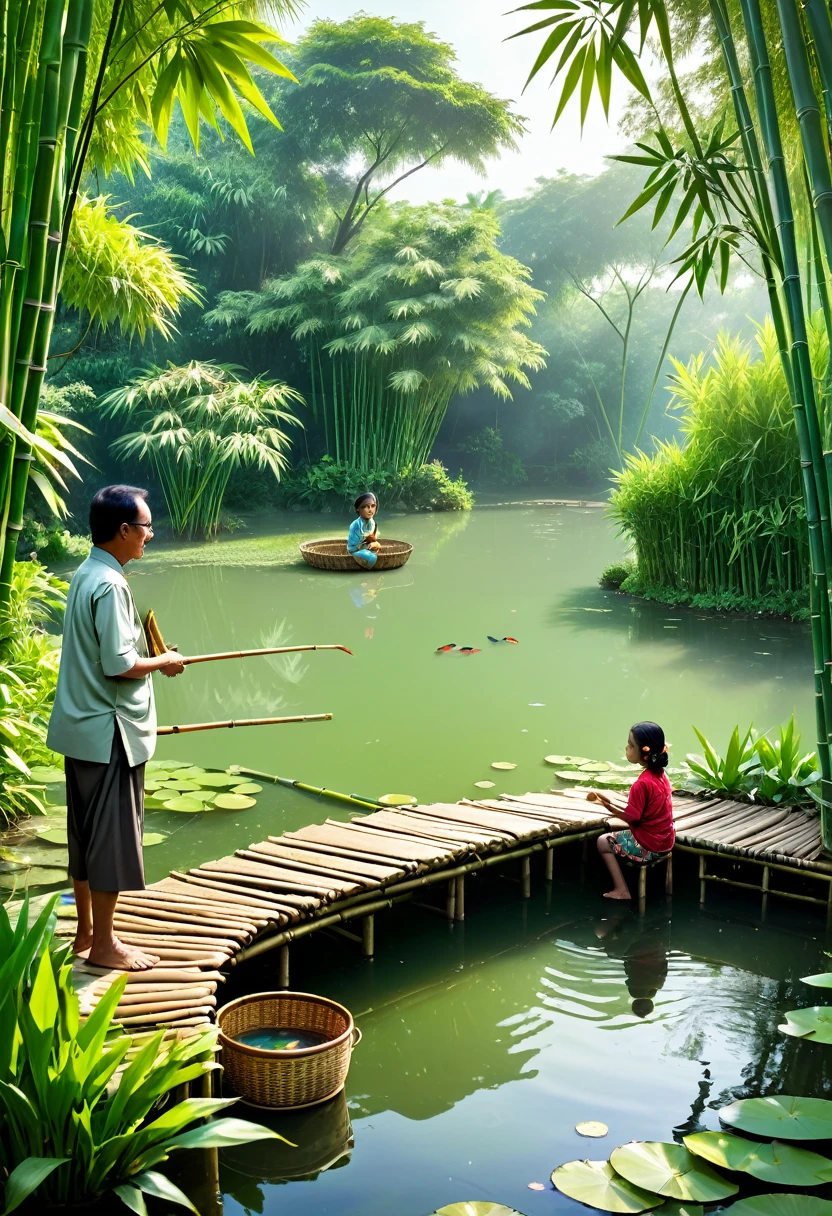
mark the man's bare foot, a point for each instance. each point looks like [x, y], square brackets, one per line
[82, 944]
[615, 894]
[119, 957]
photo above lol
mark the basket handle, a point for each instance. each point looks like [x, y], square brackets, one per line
[357, 1036]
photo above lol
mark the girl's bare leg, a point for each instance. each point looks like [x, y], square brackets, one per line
[620, 890]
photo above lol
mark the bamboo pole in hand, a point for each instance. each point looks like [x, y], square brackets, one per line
[246, 654]
[229, 725]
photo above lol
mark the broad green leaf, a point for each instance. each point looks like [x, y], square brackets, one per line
[162, 1188]
[218, 780]
[222, 1133]
[27, 1177]
[596, 1184]
[184, 803]
[233, 802]
[775, 1162]
[782, 1205]
[814, 1023]
[822, 980]
[781, 1117]
[476, 1207]
[132, 1198]
[670, 1170]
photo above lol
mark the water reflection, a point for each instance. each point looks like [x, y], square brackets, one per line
[642, 946]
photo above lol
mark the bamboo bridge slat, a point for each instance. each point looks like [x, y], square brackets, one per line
[324, 875]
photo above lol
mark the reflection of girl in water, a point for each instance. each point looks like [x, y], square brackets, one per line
[643, 954]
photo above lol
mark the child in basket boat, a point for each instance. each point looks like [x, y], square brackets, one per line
[649, 810]
[362, 541]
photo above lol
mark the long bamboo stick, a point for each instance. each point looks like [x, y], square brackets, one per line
[247, 654]
[321, 791]
[231, 723]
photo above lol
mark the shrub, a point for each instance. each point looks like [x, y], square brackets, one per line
[495, 462]
[51, 542]
[754, 767]
[327, 485]
[614, 575]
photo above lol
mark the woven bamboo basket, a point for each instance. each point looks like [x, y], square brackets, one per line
[286, 1080]
[332, 554]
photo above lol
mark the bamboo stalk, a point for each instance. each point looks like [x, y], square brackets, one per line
[246, 654]
[321, 791]
[192, 726]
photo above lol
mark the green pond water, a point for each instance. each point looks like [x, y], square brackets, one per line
[485, 1043]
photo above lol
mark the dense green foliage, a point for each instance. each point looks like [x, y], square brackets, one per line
[422, 306]
[756, 768]
[198, 424]
[425, 487]
[722, 514]
[68, 1134]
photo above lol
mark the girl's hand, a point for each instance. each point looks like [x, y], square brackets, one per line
[374, 545]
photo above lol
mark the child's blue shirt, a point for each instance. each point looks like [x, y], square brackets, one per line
[360, 530]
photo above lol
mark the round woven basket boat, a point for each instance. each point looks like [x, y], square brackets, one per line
[286, 1080]
[332, 555]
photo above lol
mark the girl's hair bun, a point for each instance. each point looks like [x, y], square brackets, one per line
[649, 738]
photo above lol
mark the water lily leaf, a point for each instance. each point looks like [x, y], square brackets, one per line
[233, 802]
[46, 824]
[782, 1205]
[152, 802]
[618, 780]
[398, 800]
[162, 766]
[35, 855]
[597, 1184]
[595, 766]
[36, 876]
[152, 784]
[247, 787]
[44, 774]
[813, 1023]
[191, 772]
[823, 980]
[219, 780]
[781, 1117]
[183, 787]
[54, 835]
[476, 1207]
[13, 867]
[673, 1207]
[503, 765]
[484, 785]
[151, 838]
[591, 1128]
[185, 803]
[670, 1170]
[567, 761]
[775, 1162]
[571, 776]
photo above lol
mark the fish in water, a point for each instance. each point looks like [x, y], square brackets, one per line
[506, 639]
[470, 650]
[275, 1038]
[445, 649]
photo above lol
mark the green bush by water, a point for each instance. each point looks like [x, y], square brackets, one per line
[770, 772]
[722, 517]
[614, 575]
[426, 487]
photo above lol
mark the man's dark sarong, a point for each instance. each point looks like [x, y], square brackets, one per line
[105, 821]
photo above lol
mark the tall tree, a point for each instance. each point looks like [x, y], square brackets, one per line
[80, 80]
[387, 95]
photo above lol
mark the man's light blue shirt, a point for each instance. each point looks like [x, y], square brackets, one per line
[103, 637]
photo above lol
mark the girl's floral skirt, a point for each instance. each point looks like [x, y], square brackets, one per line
[624, 844]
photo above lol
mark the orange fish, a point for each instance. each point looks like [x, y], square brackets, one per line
[470, 650]
[445, 649]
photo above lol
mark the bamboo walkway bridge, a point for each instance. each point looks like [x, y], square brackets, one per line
[326, 875]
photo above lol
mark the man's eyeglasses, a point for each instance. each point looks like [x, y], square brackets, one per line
[147, 527]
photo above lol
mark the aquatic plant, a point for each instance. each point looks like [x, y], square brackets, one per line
[422, 305]
[723, 514]
[613, 576]
[765, 771]
[198, 424]
[83, 1106]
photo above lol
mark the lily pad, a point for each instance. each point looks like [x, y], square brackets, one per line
[566, 761]
[823, 980]
[670, 1170]
[35, 855]
[162, 766]
[151, 785]
[247, 787]
[185, 803]
[476, 1207]
[151, 838]
[571, 776]
[391, 799]
[503, 765]
[595, 766]
[782, 1205]
[54, 835]
[484, 785]
[674, 1207]
[781, 1117]
[44, 774]
[190, 773]
[592, 1128]
[36, 876]
[219, 781]
[775, 1162]
[152, 802]
[183, 787]
[813, 1023]
[616, 780]
[596, 1184]
[233, 802]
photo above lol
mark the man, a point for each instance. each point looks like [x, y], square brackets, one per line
[104, 724]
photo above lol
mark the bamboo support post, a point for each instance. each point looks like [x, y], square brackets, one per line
[829, 906]
[550, 865]
[702, 877]
[526, 878]
[283, 967]
[642, 890]
[765, 886]
[668, 876]
[450, 900]
[459, 900]
[368, 935]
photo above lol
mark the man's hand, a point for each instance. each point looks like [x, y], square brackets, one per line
[172, 664]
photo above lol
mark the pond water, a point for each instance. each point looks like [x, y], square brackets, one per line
[485, 1043]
